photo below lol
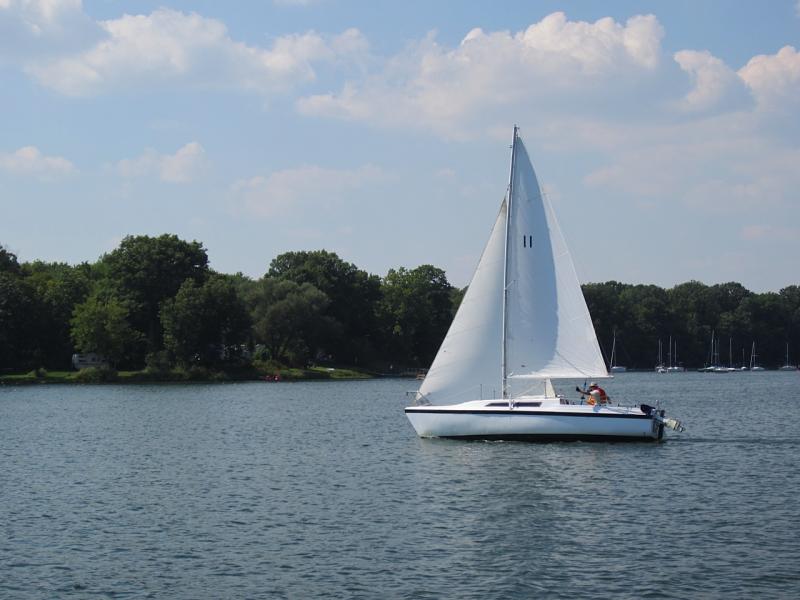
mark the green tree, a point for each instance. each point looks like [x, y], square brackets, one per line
[767, 316]
[353, 295]
[456, 297]
[145, 271]
[205, 323]
[608, 316]
[791, 297]
[417, 308]
[696, 311]
[646, 320]
[58, 289]
[289, 318]
[8, 262]
[100, 324]
[17, 324]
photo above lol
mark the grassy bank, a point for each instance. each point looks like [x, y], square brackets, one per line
[94, 375]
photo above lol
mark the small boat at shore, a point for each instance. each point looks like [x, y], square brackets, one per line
[523, 323]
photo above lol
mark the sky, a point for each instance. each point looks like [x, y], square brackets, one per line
[666, 134]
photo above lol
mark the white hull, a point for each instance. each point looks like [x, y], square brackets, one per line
[534, 419]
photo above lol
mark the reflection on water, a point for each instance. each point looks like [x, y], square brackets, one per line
[323, 490]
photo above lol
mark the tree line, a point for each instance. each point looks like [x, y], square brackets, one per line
[689, 314]
[154, 302]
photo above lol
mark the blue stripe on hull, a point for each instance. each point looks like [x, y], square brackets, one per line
[524, 413]
[545, 438]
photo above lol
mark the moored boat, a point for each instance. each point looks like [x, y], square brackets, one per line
[613, 366]
[787, 366]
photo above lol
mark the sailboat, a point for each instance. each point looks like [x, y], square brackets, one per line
[714, 366]
[753, 364]
[660, 368]
[612, 365]
[674, 367]
[787, 366]
[523, 323]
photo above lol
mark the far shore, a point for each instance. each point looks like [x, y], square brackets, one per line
[110, 376]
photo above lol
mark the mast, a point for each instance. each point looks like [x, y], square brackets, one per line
[730, 352]
[669, 353]
[613, 350]
[504, 350]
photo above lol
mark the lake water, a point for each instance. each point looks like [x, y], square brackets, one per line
[322, 490]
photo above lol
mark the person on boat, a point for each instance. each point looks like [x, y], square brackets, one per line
[597, 395]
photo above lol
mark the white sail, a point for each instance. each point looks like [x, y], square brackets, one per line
[541, 331]
[468, 364]
[549, 332]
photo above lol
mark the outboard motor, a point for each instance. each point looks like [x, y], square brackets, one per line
[658, 415]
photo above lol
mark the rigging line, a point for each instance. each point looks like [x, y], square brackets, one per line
[571, 364]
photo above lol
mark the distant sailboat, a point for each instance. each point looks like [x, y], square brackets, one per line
[660, 367]
[753, 364]
[714, 366]
[731, 368]
[673, 358]
[522, 323]
[613, 367]
[787, 366]
[744, 366]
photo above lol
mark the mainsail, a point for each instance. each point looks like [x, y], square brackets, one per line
[549, 332]
[542, 330]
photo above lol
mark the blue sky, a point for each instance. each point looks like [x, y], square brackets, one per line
[666, 134]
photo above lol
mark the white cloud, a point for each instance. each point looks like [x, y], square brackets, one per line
[775, 79]
[716, 164]
[431, 86]
[30, 161]
[714, 82]
[40, 14]
[594, 46]
[168, 47]
[39, 28]
[180, 167]
[308, 187]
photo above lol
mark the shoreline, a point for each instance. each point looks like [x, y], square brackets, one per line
[101, 376]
